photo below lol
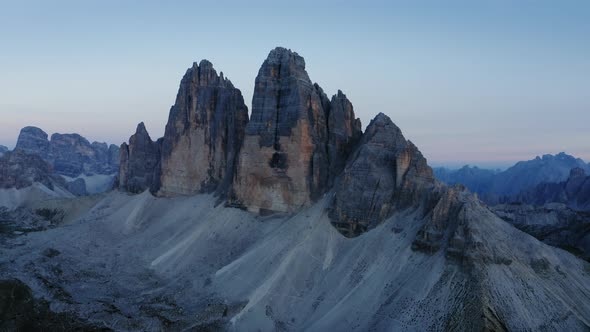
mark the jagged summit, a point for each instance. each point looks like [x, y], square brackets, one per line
[385, 173]
[296, 141]
[203, 74]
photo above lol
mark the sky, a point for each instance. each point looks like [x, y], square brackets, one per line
[486, 83]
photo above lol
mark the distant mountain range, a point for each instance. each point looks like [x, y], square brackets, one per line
[70, 154]
[84, 167]
[574, 192]
[495, 186]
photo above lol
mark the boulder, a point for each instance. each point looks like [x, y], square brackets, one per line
[70, 155]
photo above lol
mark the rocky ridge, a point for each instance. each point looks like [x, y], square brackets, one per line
[552, 223]
[19, 170]
[574, 192]
[140, 162]
[385, 173]
[70, 155]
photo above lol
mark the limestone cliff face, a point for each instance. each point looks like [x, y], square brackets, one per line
[288, 150]
[69, 154]
[384, 173]
[203, 134]
[574, 192]
[140, 163]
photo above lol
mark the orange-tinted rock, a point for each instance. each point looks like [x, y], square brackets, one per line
[285, 160]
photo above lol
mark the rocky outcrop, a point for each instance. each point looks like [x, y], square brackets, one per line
[385, 173]
[203, 135]
[69, 154]
[294, 144]
[478, 180]
[77, 187]
[3, 150]
[140, 163]
[33, 140]
[19, 170]
[553, 223]
[574, 192]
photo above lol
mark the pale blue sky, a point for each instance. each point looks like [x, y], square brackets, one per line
[480, 82]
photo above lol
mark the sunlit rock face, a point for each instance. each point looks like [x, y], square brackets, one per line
[203, 134]
[289, 155]
[140, 163]
[384, 173]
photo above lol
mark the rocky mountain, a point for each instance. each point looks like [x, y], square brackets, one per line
[494, 187]
[365, 239]
[70, 155]
[140, 162]
[3, 150]
[552, 223]
[574, 192]
[386, 173]
[203, 135]
[19, 170]
[297, 139]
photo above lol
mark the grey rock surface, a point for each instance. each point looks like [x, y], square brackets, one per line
[187, 263]
[294, 145]
[19, 170]
[140, 163]
[69, 154]
[385, 173]
[553, 223]
[203, 135]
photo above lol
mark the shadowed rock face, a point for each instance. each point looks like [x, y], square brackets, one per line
[69, 154]
[140, 163]
[384, 173]
[291, 151]
[574, 192]
[203, 134]
[19, 170]
[33, 140]
[552, 223]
